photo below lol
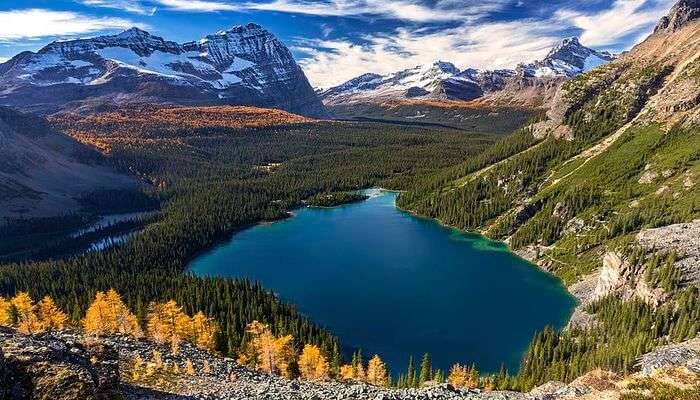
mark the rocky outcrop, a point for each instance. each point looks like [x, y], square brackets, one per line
[684, 240]
[686, 354]
[46, 367]
[683, 12]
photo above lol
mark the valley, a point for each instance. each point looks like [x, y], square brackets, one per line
[194, 219]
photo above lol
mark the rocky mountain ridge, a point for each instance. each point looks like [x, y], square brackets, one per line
[444, 81]
[245, 65]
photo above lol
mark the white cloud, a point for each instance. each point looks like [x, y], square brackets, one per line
[134, 6]
[38, 23]
[625, 18]
[408, 10]
[198, 5]
[490, 45]
[3, 59]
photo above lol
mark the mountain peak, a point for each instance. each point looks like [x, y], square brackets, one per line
[238, 29]
[133, 32]
[683, 12]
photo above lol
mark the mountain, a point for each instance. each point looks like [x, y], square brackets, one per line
[245, 65]
[604, 194]
[43, 172]
[569, 58]
[443, 81]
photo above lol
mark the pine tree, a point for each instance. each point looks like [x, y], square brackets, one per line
[376, 372]
[167, 323]
[410, 373]
[203, 331]
[426, 370]
[336, 360]
[358, 366]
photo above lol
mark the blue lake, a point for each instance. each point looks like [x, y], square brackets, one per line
[395, 284]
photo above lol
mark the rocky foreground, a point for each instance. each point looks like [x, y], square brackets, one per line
[67, 365]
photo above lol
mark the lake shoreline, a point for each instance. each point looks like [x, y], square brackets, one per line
[340, 247]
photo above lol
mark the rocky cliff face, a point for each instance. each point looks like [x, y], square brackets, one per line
[525, 85]
[244, 65]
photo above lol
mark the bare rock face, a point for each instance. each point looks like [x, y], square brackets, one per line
[683, 12]
[611, 276]
[45, 367]
[686, 354]
[684, 240]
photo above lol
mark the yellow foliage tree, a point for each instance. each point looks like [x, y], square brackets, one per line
[27, 320]
[109, 315]
[167, 323]
[376, 372]
[50, 316]
[459, 376]
[5, 317]
[347, 372]
[274, 355]
[189, 368]
[312, 364]
[203, 331]
[463, 377]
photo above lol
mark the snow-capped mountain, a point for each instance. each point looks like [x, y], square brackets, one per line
[442, 80]
[243, 65]
[569, 58]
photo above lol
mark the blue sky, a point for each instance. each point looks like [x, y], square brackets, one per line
[335, 40]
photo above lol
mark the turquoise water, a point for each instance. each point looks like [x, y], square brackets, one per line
[394, 284]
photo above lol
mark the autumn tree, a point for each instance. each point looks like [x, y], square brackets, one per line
[203, 331]
[312, 364]
[50, 316]
[463, 377]
[272, 354]
[376, 372]
[358, 366]
[167, 323]
[109, 315]
[346, 372]
[25, 313]
[5, 314]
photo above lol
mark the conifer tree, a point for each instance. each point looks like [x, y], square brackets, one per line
[50, 316]
[459, 376]
[358, 366]
[203, 331]
[167, 323]
[376, 372]
[25, 310]
[312, 364]
[109, 315]
[346, 372]
[426, 370]
[5, 310]
[336, 360]
[410, 373]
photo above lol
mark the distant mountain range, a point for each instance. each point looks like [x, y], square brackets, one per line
[245, 65]
[444, 81]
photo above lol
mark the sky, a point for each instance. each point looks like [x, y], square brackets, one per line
[336, 40]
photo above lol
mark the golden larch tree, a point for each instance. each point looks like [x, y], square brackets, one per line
[50, 316]
[203, 331]
[27, 320]
[376, 372]
[5, 317]
[109, 315]
[273, 355]
[167, 323]
[312, 364]
[347, 372]
[459, 376]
